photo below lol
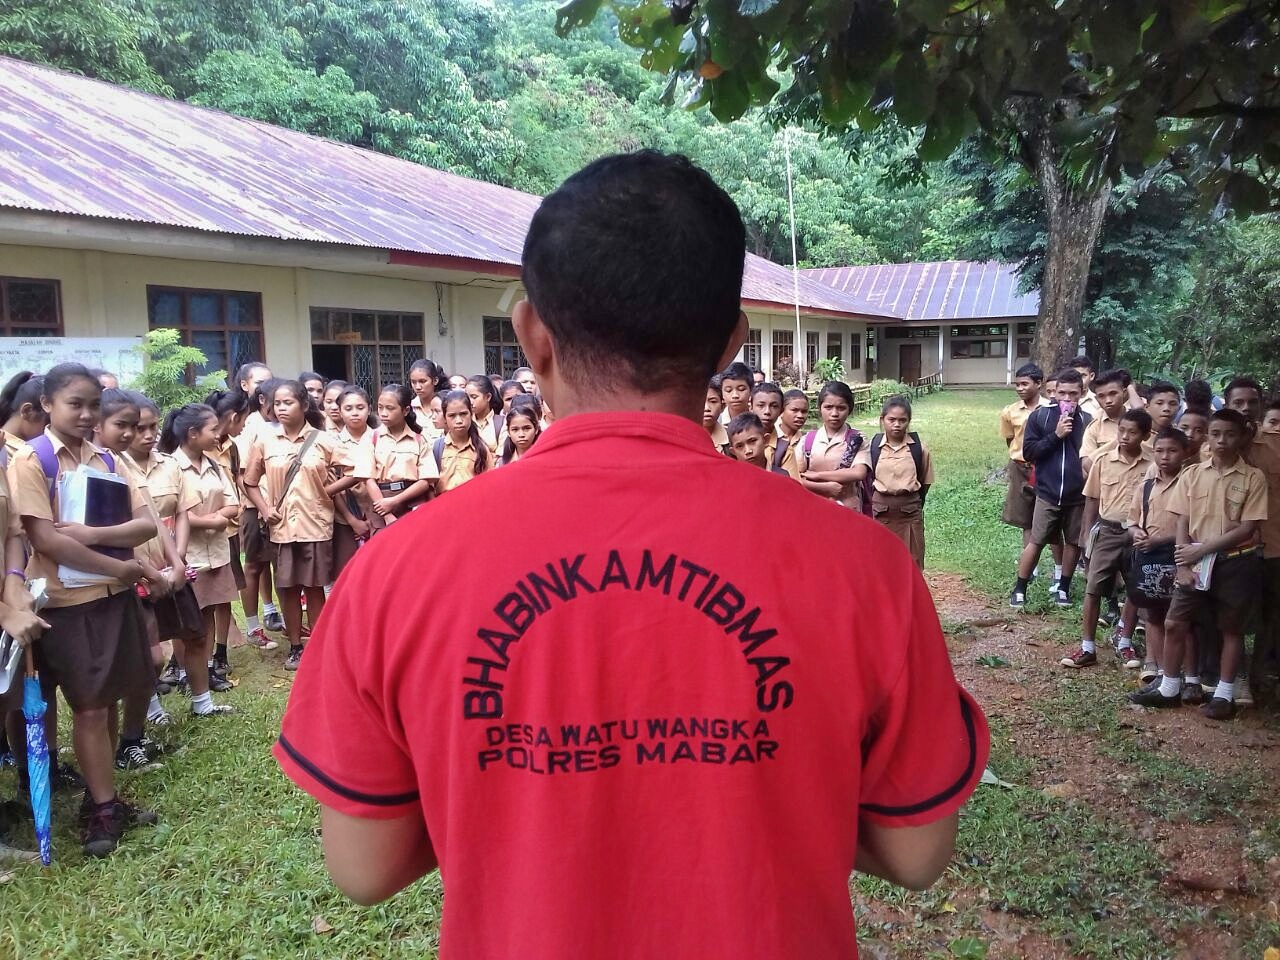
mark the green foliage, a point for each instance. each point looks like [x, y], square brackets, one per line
[882, 390]
[828, 369]
[165, 362]
[98, 38]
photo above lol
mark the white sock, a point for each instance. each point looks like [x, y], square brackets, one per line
[1123, 642]
[251, 623]
[202, 704]
[1193, 681]
[1035, 572]
[328, 590]
[153, 708]
[1088, 646]
[1057, 571]
[269, 608]
[1170, 686]
[1225, 691]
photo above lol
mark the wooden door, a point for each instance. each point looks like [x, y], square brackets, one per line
[909, 362]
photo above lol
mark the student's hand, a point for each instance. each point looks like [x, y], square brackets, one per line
[219, 522]
[157, 583]
[88, 536]
[1185, 576]
[1064, 426]
[1187, 554]
[130, 572]
[1139, 536]
[272, 516]
[361, 528]
[176, 577]
[23, 625]
[384, 506]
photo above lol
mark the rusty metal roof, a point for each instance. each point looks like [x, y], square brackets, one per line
[946, 290]
[73, 145]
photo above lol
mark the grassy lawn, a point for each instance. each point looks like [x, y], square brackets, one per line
[234, 870]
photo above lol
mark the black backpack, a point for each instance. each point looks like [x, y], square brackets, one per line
[917, 455]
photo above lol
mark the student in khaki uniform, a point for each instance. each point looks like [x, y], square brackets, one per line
[1219, 505]
[1163, 400]
[94, 648]
[1088, 401]
[524, 426]
[1194, 422]
[329, 405]
[1118, 470]
[398, 468]
[749, 439]
[353, 514]
[766, 403]
[790, 427]
[256, 380]
[712, 411]
[486, 410]
[191, 435]
[1020, 497]
[901, 470]
[299, 515]
[736, 381]
[22, 416]
[1153, 526]
[1271, 418]
[461, 454]
[828, 453]
[1102, 431]
[426, 380]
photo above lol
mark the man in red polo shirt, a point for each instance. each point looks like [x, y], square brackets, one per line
[646, 732]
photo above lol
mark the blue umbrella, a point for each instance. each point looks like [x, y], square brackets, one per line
[33, 708]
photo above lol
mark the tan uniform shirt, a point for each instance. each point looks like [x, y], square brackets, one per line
[1264, 453]
[159, 480]
[720, 436]
[826, 454]
[407, 456]
[489, 431]
[896, 468]
[29, 486]
[354, 451]
[223, 458]
[306, 510]
[1213, 500]
[1013, 423]
[1098, 434]
[458, 463]
[1090, 405]
[1162, 523]
[212, 490]
[1112, 480]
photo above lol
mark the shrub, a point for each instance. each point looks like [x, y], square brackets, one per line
[165, 362]
[828, 369]
[882, 390]
[786, 374]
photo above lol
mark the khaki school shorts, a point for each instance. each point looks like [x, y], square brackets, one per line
[1051, 523]
[1110, 558]
[1234, 589]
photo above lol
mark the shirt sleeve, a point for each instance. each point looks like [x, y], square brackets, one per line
[189, 493]
[927, 742]
[1093, 483]
[1007, 432]
[427, 469]
[863, 457]
[1178, 503]
[1255, 498]
[29, 487]
[339, 740]
[928, 480]
[363, 465]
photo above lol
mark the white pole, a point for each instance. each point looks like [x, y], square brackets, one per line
[800, 349]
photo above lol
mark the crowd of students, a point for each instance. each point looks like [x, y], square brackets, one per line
[266, 489]
[1177, 497]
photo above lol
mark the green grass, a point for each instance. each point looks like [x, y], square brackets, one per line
[234, 869]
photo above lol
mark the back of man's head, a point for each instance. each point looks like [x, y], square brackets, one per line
[635, 266]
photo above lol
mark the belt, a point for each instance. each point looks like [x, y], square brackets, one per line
[396, 486]
[898, 493]
[1241, 552]
[1114, 525]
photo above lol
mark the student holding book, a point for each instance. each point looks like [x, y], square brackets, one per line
[94, 649]
[353, 509]
[398, 468]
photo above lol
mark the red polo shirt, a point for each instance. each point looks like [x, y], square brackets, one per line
[641, 725]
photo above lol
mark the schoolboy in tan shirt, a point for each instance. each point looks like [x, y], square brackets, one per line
[790, 427]
[766, 403]
[1219, 505]
[1020, 497]
[1113, 400]
[1117, 471]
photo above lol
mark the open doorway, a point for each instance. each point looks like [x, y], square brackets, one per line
[331, 360]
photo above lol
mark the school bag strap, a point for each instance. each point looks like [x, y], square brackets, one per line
[48, 458]
[295, 466]
[807, 447]
[437, 450]
[1147, 485]
[780, 452]
[917, 457]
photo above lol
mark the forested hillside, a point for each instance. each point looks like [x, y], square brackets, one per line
[486, 89]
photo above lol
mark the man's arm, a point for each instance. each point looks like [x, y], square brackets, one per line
[911, 857]
[371, 860]
[1037, 442]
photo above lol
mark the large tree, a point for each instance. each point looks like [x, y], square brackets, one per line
[1084, 92]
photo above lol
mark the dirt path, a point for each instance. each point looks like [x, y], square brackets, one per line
[1206, 863]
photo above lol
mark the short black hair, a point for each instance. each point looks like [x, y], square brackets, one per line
[714, 383]
[767, 387]
[1272, 404]
[794, 395]
[1031, 371]
[1081, 361]
[896, 400]
[737, 371]
[306, 375]
[1227, 415]
[1113, 376]
[1069, 375]
[1198, 393]
[1242, 383]
[1141, 418]
[1161, 386]
[1174, 434]
[743, 422]
[608, 264]
[1197, 410]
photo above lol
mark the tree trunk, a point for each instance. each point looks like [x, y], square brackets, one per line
[1074, 212]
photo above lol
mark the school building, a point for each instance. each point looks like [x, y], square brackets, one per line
[121, 211]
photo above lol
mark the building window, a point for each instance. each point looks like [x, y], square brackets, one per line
[978, 349]
[751, 349]
[784, 349]
[855, 351]
[225, 325]
[383, 344]
[1024, 347]
[835, 346]
[502, 353]
[30, 308]
[810, 351]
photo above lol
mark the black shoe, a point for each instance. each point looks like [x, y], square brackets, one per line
[103, 828]
[1152, 697]
[292, 661]
[132, 757]
[163, 689]
[1219, 708]
[169, 675]
[219, 684]
[220, 667]
[1193, 695]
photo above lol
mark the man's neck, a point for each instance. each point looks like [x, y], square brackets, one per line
[1224, 461]
[681, 403]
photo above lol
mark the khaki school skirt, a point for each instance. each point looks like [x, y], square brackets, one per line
[214, 586]
[97, 652]
[303, 564]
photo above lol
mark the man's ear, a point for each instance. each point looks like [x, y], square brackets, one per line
[736, 340]
[534, 338]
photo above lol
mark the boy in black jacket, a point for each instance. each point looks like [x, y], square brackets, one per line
[1051, 444]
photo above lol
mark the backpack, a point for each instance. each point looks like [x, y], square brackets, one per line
[917, 455]
[780, 452]
[852, 445]
[43, 447]
[437, 449]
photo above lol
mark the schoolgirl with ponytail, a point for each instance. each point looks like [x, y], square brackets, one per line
[399, 469]
[461, 453]
[353, 509]
[21, 415]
